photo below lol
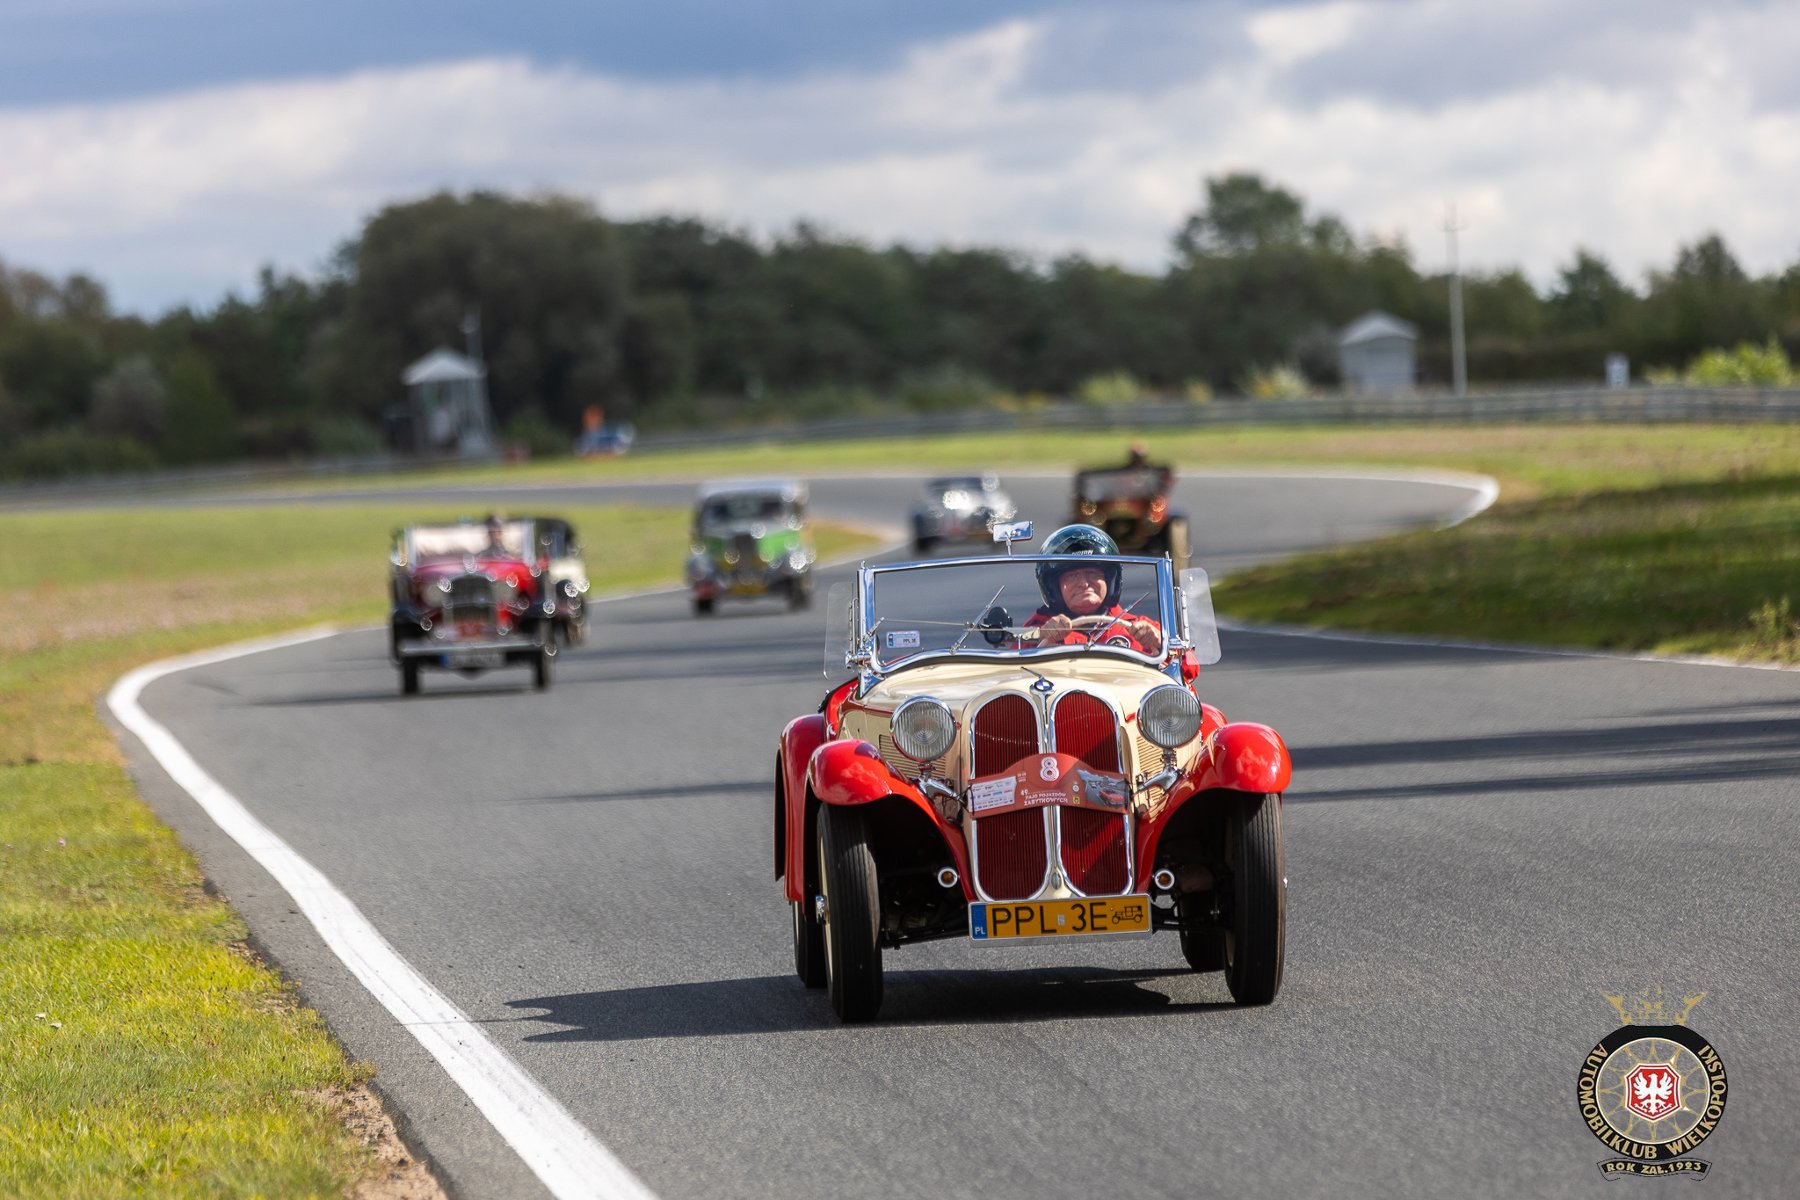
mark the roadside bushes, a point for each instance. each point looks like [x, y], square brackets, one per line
[61, 453]
[1744, 365]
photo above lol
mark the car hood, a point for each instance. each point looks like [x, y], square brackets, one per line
[966, 687]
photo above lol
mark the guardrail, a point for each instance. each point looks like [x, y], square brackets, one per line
[1732, 406]
[1723, 406]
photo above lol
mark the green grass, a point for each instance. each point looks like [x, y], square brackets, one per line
[1698, 568]
[167, 1060]
[1529, 460]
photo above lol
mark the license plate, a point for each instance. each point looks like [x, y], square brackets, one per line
[747, 589]
[1023, 919]
[473, 659]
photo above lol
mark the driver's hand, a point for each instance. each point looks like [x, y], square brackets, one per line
[1054, 631]
[1147, 635]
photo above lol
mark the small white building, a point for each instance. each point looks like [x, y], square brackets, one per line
[1375, 354]
[448, 398]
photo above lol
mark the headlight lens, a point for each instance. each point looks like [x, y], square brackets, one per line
[1169, 716]
[923, 728]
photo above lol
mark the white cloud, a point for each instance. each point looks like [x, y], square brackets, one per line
[970, 140]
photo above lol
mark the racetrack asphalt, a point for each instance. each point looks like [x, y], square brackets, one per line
[1481, 846]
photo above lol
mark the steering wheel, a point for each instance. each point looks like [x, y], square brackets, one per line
[1092, 625]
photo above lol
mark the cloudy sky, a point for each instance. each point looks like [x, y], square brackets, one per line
[171, 147]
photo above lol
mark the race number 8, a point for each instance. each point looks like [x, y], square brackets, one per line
[1047, 768]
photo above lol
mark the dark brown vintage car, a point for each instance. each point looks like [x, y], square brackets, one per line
[1131, 503]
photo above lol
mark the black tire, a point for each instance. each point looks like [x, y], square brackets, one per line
[703, 606]
[409, 677]
[1203, 945]
[923, 544]
[1257, 933]
[852, 914]
[799, 593]
[1175, 541]
[540, 666]
[809, 944]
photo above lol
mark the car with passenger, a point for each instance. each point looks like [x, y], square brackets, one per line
[1132, 503]
[959, 508]
[750, 539]
[566, 578]
[1024, 755]
[470, 597]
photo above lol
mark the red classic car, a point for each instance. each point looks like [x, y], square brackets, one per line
[1005, 768]
[470, 597]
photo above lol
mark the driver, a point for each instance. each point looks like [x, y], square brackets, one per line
[496, 539]
[1075, 590]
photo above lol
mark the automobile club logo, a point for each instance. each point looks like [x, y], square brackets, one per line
[1653, 1089]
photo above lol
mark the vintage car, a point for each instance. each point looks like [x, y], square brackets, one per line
[975, 781]
[751, 539]
[959, 508]
[567, 582]
[1131, 503]
[470, 597]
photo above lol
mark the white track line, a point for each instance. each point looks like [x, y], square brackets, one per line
[571, 1161]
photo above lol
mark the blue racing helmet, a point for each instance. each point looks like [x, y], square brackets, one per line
[1076, 539]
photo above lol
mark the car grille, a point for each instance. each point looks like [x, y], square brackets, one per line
[1118, 527]
[1093, 851]
[1006, 730]
[901, 765]
[1149, 759]
[1086, 729]
[470, 598]
[1012, 849]
[744, 552]
[1010, 854]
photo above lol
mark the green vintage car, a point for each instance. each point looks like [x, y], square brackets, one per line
[751, 539]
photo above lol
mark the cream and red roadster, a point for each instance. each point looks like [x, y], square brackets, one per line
[1014, 762]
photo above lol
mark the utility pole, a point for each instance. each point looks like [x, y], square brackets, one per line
[1459, 365]
[471, 327]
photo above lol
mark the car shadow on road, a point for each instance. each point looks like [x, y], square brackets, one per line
[1654, 754]
[740, 787]
[779, 1004]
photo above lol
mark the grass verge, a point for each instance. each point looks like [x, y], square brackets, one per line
[143, 1050]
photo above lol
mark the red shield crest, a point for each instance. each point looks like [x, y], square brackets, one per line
[1653, 1090]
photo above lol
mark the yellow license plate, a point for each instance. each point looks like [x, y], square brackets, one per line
[1011, 921]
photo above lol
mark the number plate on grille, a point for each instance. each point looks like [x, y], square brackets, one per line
[1103, 915]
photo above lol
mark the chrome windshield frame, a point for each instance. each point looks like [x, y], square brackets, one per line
[868, 665]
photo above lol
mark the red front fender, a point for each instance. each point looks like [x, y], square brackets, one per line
[1245, 757]
[843, 773]
[802, 736]
[852, 772]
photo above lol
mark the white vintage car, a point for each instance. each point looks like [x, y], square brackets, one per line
[1009, 766]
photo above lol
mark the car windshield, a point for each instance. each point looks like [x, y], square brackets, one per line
[997, 607]
[741, 507]
[454, 541]
[1130, 483]
[961, 483]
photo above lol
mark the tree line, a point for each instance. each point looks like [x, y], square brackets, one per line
[677, 322]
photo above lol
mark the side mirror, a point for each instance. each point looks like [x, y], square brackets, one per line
[995, 622]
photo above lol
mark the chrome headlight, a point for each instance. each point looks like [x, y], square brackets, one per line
[923, 728]
[1169, 716]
